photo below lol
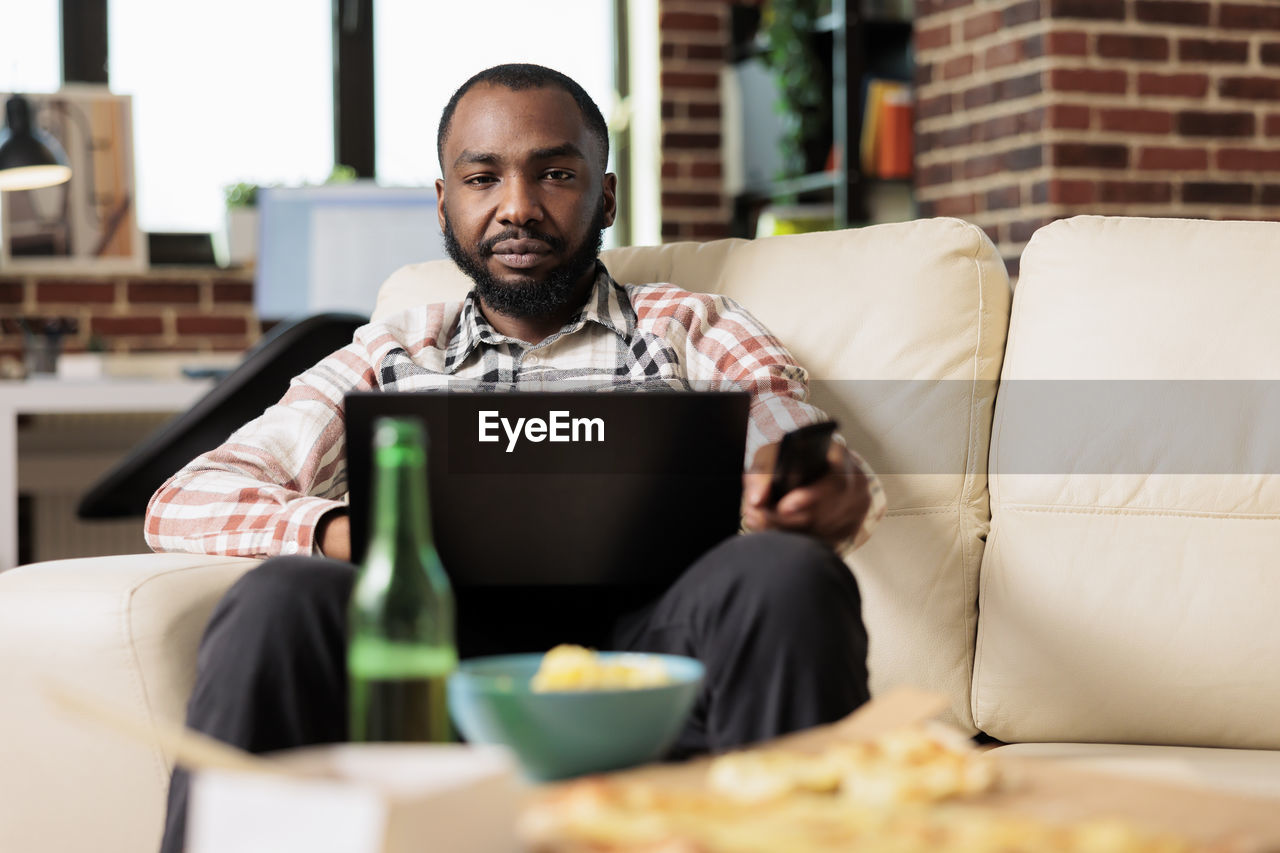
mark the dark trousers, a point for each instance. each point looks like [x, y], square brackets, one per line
[775, 618]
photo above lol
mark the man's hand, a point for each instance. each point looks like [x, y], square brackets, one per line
[334, 534]
[830, 509]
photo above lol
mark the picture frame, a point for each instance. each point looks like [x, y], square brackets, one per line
[90, 223]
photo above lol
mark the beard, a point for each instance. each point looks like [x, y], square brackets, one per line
[529, 298]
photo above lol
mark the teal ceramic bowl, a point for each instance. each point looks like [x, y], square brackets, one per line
[563, 734]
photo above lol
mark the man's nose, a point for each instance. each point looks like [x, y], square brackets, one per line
[519, 204]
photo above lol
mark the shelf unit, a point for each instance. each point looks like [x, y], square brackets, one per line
[858, 45]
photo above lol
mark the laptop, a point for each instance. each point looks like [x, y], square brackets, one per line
[538, 488]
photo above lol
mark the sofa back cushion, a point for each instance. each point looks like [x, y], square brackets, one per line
[901, 328]
[1130, 583]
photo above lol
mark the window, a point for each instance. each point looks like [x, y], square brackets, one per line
[30, 52]
[237, 103]
[423, 51]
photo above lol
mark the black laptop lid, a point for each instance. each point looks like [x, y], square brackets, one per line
[546, 488]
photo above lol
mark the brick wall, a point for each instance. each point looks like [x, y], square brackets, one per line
[695, 46]
[160, 310]
[1032, 110]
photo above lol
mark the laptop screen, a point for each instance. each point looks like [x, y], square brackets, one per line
[547, 488]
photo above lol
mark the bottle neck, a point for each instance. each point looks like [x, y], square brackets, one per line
[401, 517]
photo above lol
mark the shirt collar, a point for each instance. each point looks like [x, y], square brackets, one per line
[606, 305]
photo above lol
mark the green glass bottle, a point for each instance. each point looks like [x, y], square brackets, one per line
[401, 645]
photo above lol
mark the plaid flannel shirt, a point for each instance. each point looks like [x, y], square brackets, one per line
[265, 489]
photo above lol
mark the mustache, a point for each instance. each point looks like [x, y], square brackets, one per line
[485, 247]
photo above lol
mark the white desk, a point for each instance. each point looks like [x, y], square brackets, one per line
[62, 396]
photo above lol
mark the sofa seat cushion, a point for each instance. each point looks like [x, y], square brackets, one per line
[1252, 772]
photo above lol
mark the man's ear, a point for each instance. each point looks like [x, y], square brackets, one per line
[440, 203]
[610, 190]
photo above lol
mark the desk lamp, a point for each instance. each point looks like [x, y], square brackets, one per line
[29, 157]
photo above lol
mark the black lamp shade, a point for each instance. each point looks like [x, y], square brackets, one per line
[29, 157]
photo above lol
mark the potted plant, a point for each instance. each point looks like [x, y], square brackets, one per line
[242, 224]
[788, 28]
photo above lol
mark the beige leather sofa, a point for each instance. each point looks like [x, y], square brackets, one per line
[1096, 600]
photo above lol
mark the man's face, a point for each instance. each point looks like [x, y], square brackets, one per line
[524, 199]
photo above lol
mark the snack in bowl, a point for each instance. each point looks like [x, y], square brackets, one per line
[580, 725]
[568, 667]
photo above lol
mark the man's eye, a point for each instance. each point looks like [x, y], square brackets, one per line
[558, 174]
[477, 180]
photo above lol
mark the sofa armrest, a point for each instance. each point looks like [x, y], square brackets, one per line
[121, 628]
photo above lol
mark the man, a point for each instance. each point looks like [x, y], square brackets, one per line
[523, 201]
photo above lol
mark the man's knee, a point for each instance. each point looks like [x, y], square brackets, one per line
[281, 593]
[790, 571]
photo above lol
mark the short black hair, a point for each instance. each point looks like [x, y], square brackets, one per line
[518, 76]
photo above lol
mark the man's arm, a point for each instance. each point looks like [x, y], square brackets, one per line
[724, 343]
[264, 491]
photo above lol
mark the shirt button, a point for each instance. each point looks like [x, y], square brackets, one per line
[531, 360]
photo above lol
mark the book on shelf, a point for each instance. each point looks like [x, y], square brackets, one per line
[886, 145]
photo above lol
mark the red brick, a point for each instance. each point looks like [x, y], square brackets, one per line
[687, 21]
[1210, 192]
[11, 291]
[1021, 159]
[1021, 13]
[1172, 12]
[1067, 43]
[1021, 231]
[1213, 50]
[679, 199]
[1110, 10]
[1088, 80]
[232, 291]
[1058, 191]
[1068, 117]
[1250, 88]
[1270, 194]
[1003, 198]
[1174, 85]
[981, 167]
[74, 291]
[1173, 159]
[1249, 16]
[706, 170]
[132, 325]
[689, 80]
[670, 50]
[669, 109]
[1136, 121]
[980, 96]
[1272, 126]
[1247, 160]
[1269, 53]
[933, 38]
[204, 324]
[1203, 123]
[1079, 154]
[1135, 192]
[713, 52]
[1141, 48]
[932, 107]
[938, 173]
[958, 67]
[957, 205]
[163, 291]
[670, 170]
[981, 25]
[709, 230]
[1021, 87]
[672, 141]
[1004, 54]
[704, 111]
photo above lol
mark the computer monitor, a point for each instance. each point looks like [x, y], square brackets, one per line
[329, 248]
